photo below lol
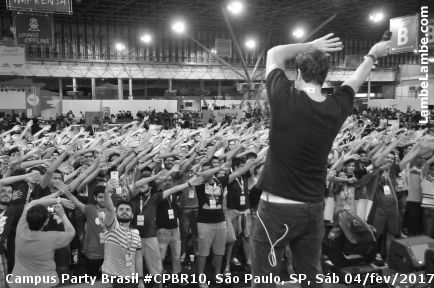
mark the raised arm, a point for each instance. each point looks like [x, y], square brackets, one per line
[76, 202]
[86, 177]
[213, 171]
[231, 154]
[187, 163]
[277, 56]
[243, 170]
[45, 180]
[110, 210]
[195, 181]
[425, 167]
[356, 80]
[12, 179]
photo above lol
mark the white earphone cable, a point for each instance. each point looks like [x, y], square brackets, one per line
[272, 255]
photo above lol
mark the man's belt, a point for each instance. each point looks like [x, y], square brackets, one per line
[277, 199]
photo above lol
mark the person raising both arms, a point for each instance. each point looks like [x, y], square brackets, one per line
[304, 124]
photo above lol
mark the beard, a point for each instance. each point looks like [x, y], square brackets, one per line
[124, 220]
[6, 203]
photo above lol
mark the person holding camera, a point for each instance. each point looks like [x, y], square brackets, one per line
[36, 254]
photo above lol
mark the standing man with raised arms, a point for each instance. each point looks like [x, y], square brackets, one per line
[304, 124]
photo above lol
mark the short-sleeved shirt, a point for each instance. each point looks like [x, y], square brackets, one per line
[164, 219]
[35, 256]
[383, 197]
[8, 224]
[120, 241]
[149, 210]
[301, 136]
[92, 247]
[206, 195]
[237, 189]
[428, 192]
[188, 199]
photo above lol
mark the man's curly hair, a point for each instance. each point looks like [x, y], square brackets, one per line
[313, 65]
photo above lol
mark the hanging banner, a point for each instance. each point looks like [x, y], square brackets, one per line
[33, 103]
[12, 59]
[404, 34]
[33, 29]
[59, 6]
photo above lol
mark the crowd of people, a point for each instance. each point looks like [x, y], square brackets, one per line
[190, 189]
[118, 200]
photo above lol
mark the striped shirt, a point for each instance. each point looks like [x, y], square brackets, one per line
[120, 242]
[428, 192]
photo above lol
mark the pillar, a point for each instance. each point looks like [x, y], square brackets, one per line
[130, 88]
[120, 89]
[219, 88]
[61, 95]
[93, 88]
[74, 87]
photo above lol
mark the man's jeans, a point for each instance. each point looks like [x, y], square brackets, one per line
[170, 237]
[428, 222]
[305, 235]
[187, 227]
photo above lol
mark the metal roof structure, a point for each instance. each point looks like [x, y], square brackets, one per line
[275, 16]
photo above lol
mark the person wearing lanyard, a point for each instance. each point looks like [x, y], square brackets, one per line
[384, 214]
[145, 208]
[211, 223]
[9, 216]
[122, 244]
[93, 244]
[145, 205]
[239, 210]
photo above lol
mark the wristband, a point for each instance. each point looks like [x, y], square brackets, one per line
[59, 200]
[189, 185]
[371, 56]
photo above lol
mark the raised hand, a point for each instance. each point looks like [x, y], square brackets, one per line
[16, 128]
[196, 181]
[58, 208]
[66, 203]
[111, 185]
[17, 194]
[226, 166]
[380, 49]
[328, 44]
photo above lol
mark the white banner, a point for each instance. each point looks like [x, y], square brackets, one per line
[12, 59]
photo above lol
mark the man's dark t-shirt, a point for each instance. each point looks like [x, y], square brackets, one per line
[301, 136]
[8, 225]
[235, 193]
[149, 211]
[210, 199]
[162, 219]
